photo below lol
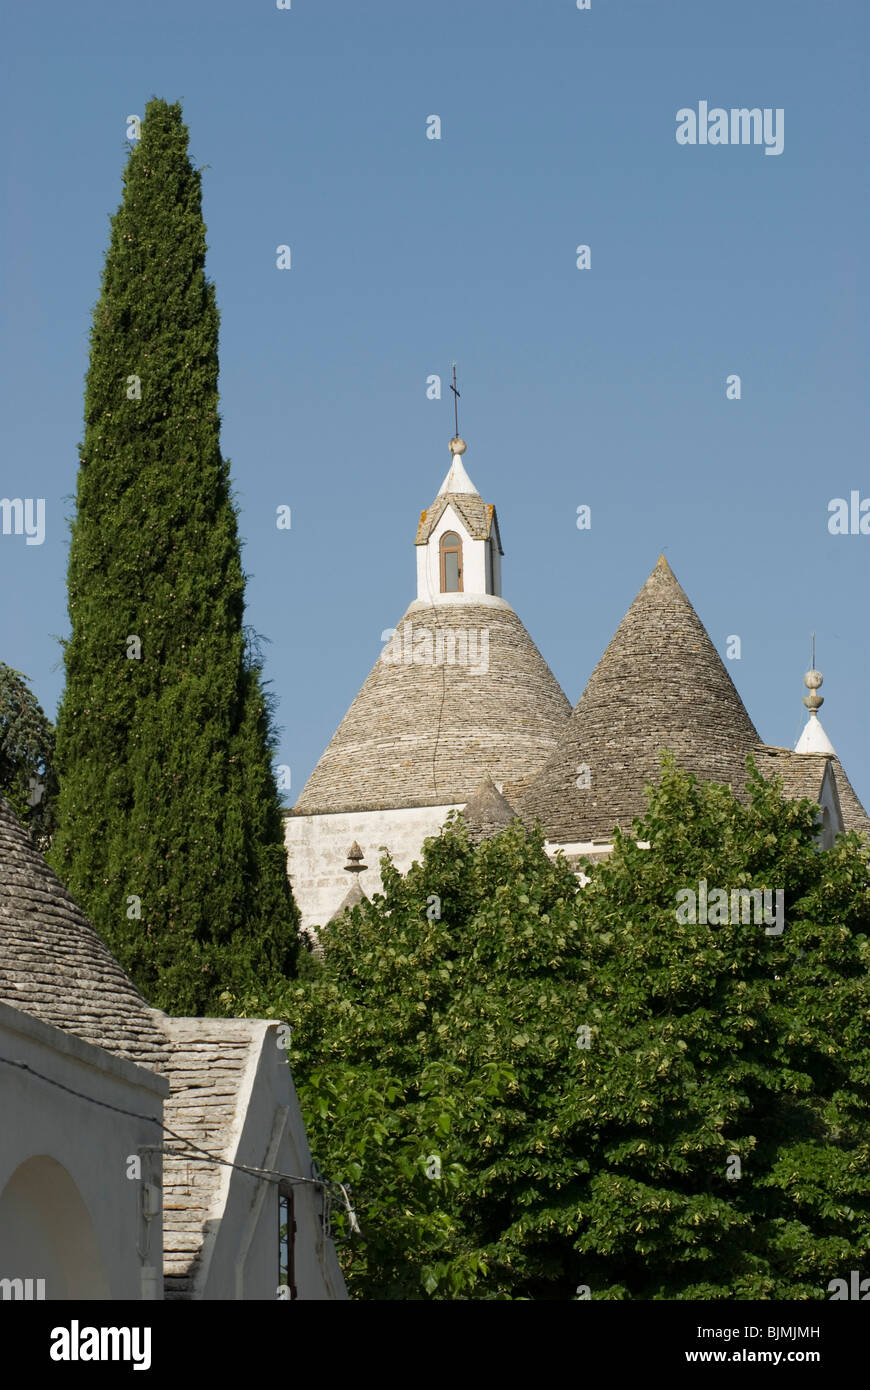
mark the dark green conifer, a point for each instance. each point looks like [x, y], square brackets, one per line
[168, 805]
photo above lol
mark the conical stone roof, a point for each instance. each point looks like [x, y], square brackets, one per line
[488, 812]
[54, 966]
[424, 731]
[660, 684]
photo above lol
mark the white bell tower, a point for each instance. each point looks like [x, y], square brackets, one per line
[458, 545]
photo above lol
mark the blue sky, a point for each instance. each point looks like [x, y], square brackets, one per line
[604, 387]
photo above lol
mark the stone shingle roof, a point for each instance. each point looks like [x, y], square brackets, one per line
[479, 516]
[426, 734]
[660, 684]
[802, 773]
[211, 1065]
[54, 965]
[488, 812]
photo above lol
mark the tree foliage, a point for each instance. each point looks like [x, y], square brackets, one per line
[27, 776]
[609, 1167]
[168, 805]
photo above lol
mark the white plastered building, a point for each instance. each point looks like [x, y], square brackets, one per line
[129, 1139]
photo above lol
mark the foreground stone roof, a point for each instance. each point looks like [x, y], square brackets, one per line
[54, 965]
[660, 684]
[427, 734]
[55, 968]
[211, 1068]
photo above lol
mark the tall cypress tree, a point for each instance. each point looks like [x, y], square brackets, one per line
[170, 832]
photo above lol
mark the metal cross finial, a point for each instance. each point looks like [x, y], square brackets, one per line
[813, 663]
[456, 395]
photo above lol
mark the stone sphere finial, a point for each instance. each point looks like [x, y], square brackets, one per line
[457, 445]
[812, 681]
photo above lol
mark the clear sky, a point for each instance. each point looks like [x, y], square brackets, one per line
[604, 386]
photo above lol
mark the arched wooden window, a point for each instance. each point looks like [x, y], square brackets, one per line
[451, 563]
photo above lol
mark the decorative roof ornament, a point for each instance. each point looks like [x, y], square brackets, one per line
[355, 893]
[814, 739]
[457, 480]
[456, 440]
[354, 863]
[812, 680]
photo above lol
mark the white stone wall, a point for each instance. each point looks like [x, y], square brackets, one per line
[69, 1214]
[317, 852]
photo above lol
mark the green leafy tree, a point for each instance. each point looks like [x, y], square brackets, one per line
[27, 776]
[449, 1020]
[170, 832]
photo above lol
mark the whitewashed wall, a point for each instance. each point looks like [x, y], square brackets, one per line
[68, 1212]
[317, 852]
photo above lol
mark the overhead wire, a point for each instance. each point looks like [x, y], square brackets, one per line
[267, 1174]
